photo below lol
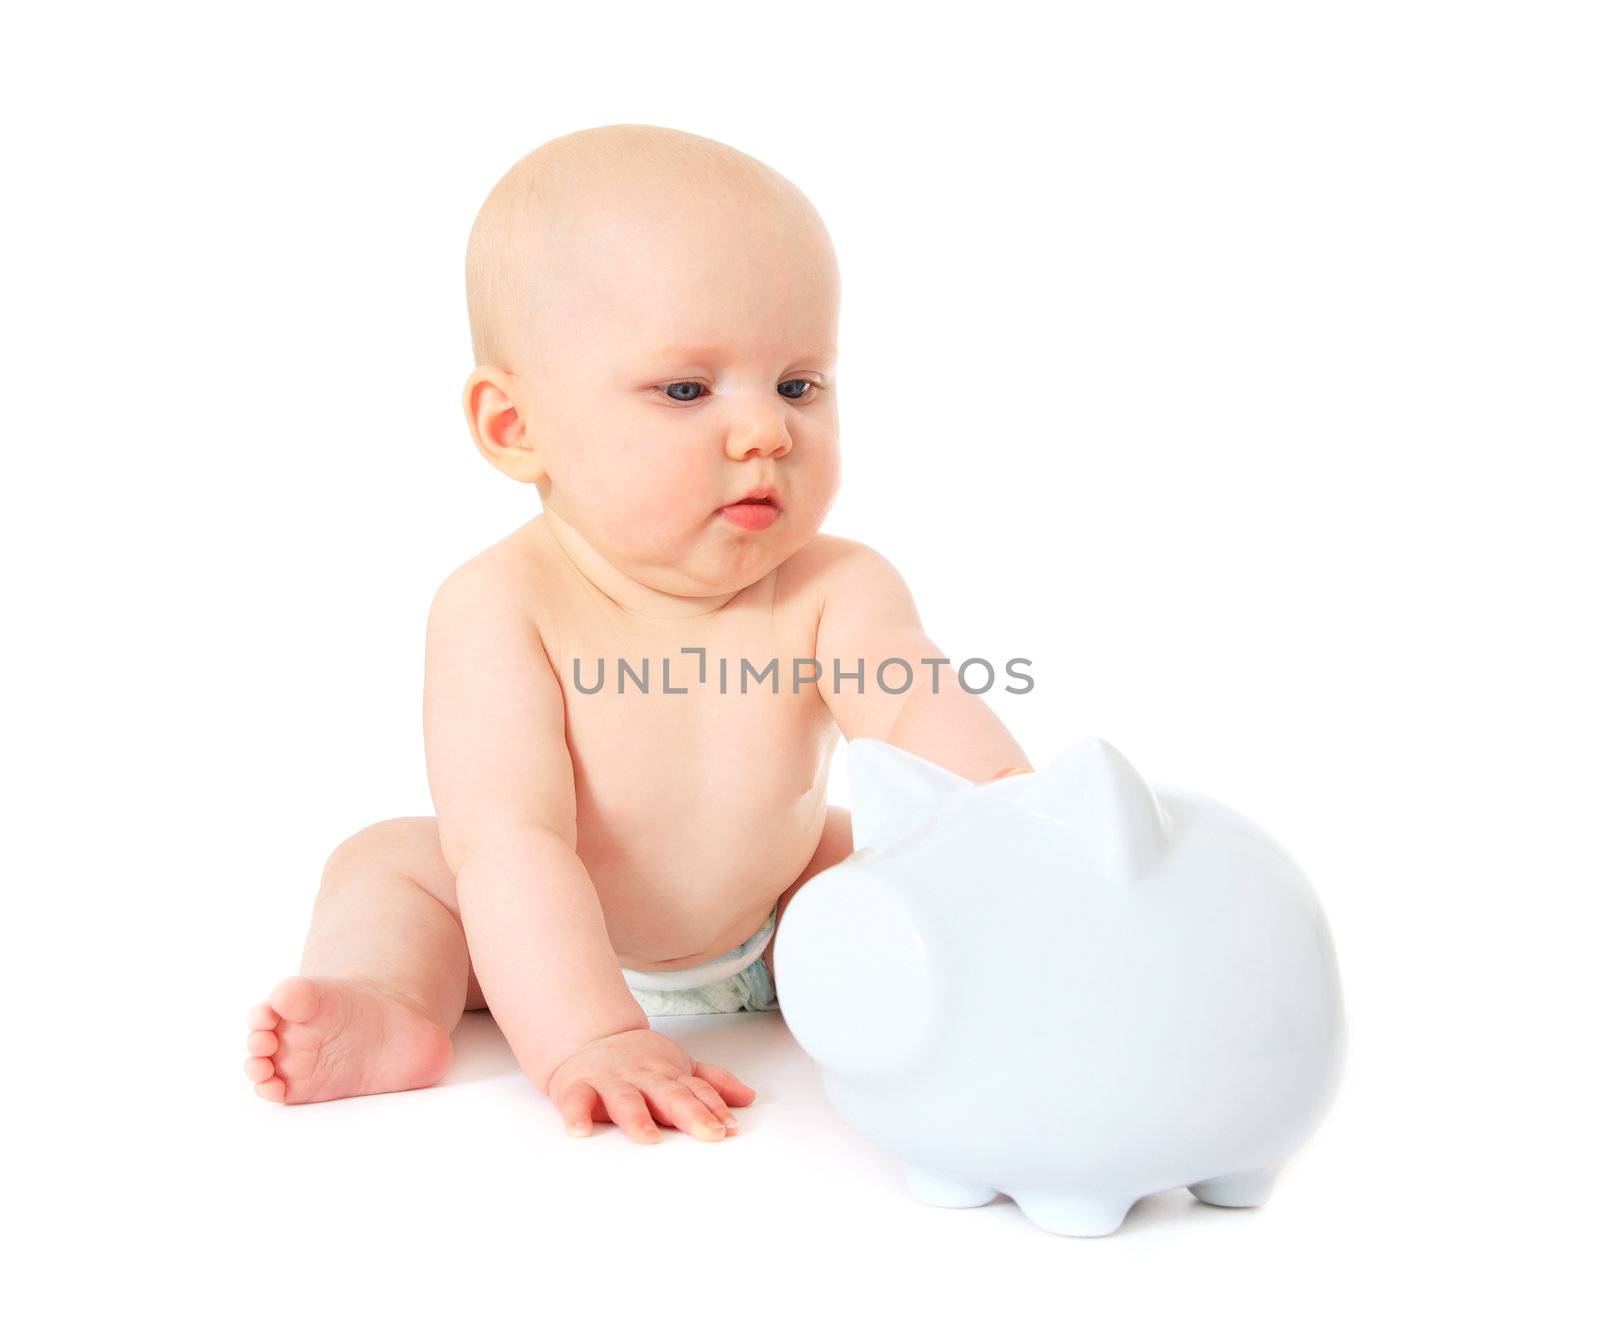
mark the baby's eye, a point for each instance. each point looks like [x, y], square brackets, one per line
[680, 391]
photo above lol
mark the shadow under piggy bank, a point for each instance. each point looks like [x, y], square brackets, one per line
[1066, 986]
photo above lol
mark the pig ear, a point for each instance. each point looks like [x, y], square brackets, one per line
[893, 792]
[1107, 808]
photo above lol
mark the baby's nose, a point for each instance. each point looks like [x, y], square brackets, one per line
[765, 436]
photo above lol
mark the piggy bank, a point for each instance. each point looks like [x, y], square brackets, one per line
[1065, 986]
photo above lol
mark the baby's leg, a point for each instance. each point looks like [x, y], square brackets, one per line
[383, 980]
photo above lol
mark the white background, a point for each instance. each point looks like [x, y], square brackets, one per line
[1235, 363]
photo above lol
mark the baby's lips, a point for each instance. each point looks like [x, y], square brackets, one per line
[760, 494]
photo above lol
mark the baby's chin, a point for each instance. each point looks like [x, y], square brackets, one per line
[721, 564]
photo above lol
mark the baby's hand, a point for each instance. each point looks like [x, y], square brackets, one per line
[637, 1075]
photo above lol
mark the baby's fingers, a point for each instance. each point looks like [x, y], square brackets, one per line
[673, 1102]
[577, 1109]
[706, 1092]
[630, 1113]
[733, 1090]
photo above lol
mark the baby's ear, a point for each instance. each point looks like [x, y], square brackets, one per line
[497, 425]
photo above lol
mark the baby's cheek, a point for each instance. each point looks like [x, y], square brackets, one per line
[812, 486]
[617, 476]
[654, 504]
[670, 486]
[826, 481]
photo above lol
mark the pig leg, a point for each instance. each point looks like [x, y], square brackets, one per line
[938, 1190]
[1084, 1214]
[1249, 1189]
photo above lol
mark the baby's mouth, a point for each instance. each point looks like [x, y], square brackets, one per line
[754, 512]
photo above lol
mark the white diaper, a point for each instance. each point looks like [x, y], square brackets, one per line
[737, 980]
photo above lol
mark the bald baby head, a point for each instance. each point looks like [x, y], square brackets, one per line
[563, 207]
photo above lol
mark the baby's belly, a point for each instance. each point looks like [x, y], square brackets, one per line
[691, 838]
[674, 903]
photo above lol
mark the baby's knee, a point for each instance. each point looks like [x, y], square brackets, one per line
[406, 844]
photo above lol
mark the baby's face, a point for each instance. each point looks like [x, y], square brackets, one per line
[687, 360]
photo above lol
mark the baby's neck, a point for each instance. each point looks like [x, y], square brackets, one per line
[637, 598]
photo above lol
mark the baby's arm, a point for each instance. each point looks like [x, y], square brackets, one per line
[501, 777]
[868, 615]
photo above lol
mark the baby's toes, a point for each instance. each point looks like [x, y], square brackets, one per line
[263, 1017]
[273, 1089]
[259, 1069]
[296, 1058]
[294, 999]
[262, 1043]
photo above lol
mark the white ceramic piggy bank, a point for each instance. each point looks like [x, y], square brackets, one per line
[1064, 987]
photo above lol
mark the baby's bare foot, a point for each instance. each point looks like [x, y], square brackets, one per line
[326, 1038]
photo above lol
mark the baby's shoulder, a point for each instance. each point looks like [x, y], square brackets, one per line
[825, 562]
[505, 578]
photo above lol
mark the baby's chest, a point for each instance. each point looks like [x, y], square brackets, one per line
[733, 718]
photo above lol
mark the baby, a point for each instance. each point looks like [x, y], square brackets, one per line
[631, 701]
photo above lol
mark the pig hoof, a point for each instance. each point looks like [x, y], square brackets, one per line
[1249, 1189]
[1073, 1214]
[939, 1191]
